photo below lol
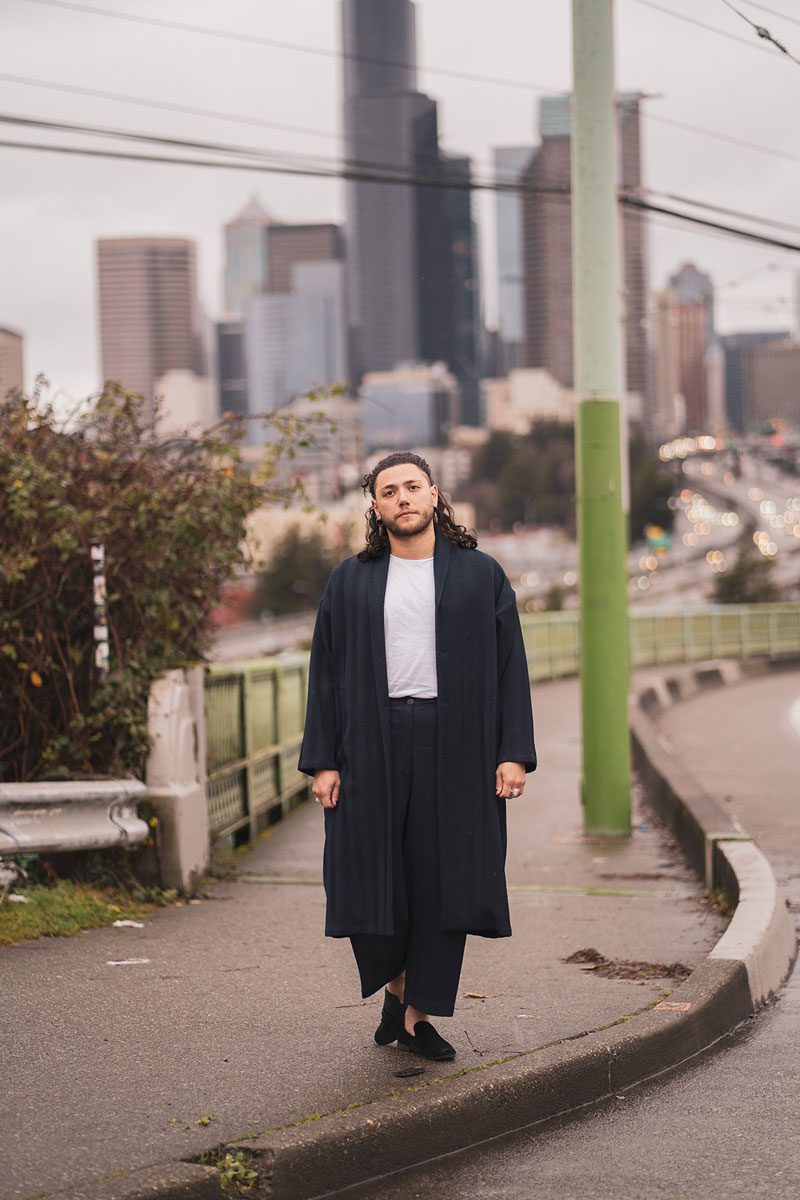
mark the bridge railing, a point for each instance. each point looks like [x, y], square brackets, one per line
[254, 727]
[730, 631]
[255, 712]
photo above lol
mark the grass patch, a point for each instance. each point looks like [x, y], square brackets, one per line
[64, 908]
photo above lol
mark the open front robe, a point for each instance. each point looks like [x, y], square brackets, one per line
[484, 718]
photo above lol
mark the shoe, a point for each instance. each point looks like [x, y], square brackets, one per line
[392, 1015]
[426, 1042]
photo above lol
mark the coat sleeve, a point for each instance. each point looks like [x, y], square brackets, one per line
[318, 749]
[514, 711]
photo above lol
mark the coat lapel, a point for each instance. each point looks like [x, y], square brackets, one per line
[441, 562]
[376, 593]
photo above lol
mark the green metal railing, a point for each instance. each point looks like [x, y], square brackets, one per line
[732, 631]
[254, 727]
[255, 712]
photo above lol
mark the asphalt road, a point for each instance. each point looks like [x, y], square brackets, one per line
[725, 1126]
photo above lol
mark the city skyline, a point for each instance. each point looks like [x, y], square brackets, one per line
[54, 207]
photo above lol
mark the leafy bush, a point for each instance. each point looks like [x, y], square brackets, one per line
[170, 512]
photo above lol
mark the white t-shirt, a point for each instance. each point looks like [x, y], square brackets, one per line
[410, 627]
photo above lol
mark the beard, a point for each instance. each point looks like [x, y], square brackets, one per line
[409, 528]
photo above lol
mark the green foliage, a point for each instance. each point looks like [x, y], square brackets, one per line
[235, 1177]
[651, 487]
[170, 512]
[296, 576]
[749, 580]
[63, 909]
[531, 480]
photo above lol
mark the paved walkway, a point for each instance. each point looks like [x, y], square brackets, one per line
[244, 1017]
[724, 1126]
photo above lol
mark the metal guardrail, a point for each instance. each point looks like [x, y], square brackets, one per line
[36, 818]
[730, 631]
[255, 712]
[254, 727]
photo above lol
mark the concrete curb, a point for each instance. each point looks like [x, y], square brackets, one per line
[748, 964]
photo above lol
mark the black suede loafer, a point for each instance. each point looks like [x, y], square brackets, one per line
[392, 1016]
[426, 1042]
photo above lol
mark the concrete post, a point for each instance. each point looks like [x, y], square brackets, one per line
[605, 783]
[176, 776]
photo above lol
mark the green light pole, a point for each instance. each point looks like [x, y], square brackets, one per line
[602, 540]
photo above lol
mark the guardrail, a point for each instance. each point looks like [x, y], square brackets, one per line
[729, 631]
[254, 727]
[37, 818]
[255, 712]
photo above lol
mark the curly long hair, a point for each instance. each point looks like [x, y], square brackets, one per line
[378, 538]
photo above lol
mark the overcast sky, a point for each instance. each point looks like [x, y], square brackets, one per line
[52, 207]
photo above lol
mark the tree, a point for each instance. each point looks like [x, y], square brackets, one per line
[749, 581]
[296, 576]
[169, 513]
[651, 486]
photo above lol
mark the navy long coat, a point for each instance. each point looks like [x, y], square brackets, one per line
[484, 718]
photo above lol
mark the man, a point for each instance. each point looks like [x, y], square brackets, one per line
[418, 728]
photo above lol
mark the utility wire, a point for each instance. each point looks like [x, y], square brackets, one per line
[239, 118]
[215, 114]
[773, 12]
[762, 32]
[626, 201]
[256, 39]
[670, 12]
[407, 174]
[722, 137]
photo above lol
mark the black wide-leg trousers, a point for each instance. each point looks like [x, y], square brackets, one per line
[431, 957]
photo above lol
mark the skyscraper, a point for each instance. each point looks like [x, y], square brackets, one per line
[295, 332]
[547, 234]
[10, 362]
[411, 250]
[150, 316]
[509, 165]
[245, 256]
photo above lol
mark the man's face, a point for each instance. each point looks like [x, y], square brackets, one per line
[404, 500]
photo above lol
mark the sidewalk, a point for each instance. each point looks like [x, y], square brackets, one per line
[245, 1014]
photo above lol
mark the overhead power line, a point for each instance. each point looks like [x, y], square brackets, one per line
[407, 173]
[260, 122]
[773, 12]
[762, 32]
[670, 12]
[722, 137]
[625, 200]
[257, 40]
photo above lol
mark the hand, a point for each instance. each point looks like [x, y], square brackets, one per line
[509, 777]
[325, 788]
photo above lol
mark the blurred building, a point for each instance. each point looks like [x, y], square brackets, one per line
[547, 247]
[682, 383]
[331, 463]
[231, 367]
[187, 403]
[414, 405]
[524, 396]
[413, 284]
[246, 255]
[150, 316]
[11, 364]
[509, 165]
[692, 286]
[289, 245]
[463, 294]
[741, 404]
[295, 341]
[774, 384]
